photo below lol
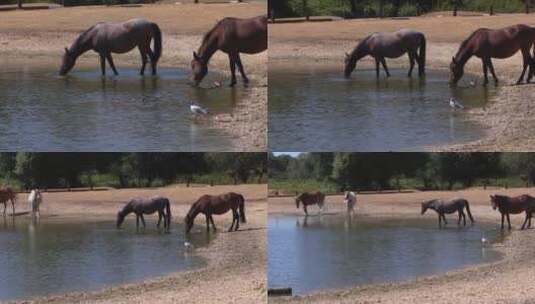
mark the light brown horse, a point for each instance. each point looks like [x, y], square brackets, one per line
[502, 43]
[217, 204]
[232, 36]
[307, 198]
[514, 205]
[389, 45]
[7, 194]
[106, 38]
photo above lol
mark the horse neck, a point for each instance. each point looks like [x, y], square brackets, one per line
[127, 210]
[360, 50]
[463, 55]
[208, 47]
[81, 45]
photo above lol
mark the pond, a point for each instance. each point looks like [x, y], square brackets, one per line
[56, 256]
[330, 252]
[317, 109]
[85, 112]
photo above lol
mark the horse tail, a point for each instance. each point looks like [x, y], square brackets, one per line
[157, 35]
[468, 211]
[421, 56]
[242, 209]
[168, 209]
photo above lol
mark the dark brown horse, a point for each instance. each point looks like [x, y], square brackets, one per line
[232, 36]
[501, 43]
[141, 206]
[7, 194]
[217, 204]
[106, 38]
[514, 205]
[389, 45]
[307, 198]
[447, 207]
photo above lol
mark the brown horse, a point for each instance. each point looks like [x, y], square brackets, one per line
[389, 45]
[141, 206]
[106, 38]
[307, 198]
[217, 204]
[446, 207]
[7, 194]
[514, 205]
[232, 36]
[501, 43]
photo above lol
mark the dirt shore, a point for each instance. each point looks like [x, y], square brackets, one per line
[507, 120]
[510, 280]
[183, 26]
[236, 262]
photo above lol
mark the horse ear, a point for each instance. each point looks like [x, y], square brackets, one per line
[195, 55]
[347, 55]
[453, 60]
[66, 51]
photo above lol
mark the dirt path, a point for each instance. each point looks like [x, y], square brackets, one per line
[235, 271]
[508, 120]
[183, 26]
[510, 280]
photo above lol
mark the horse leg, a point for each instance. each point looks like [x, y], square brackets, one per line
[491, 68]
[233, 220]
[240, 67]
[464, 217]
[237, 221]
[383, 62]
[5, 207]
[160, 220]
[103, 64]
[153, 61]
[459, 221]
[213, 224]
[13, 206]
[525, 221]
[503, 217]
[411, 61]
[142, 220]
[137, 221]
[305, 208]
[232, 59]
[143, 60]
[444, 218]
[207, 223]
[439, 221]
[485, 72]
[377, 67]
[112, 65]
[508, 221]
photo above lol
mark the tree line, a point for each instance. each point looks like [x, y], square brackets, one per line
[381, 171]
[65, 170]
[390, 8]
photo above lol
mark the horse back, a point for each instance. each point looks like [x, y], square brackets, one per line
[243, 35]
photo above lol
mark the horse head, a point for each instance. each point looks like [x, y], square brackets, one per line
[425, 206]
[350, 63]
[297, 200]
[120, 218]
[199, 69]
[188, 220]
[69, 59]
[456, 71]
[494, 201]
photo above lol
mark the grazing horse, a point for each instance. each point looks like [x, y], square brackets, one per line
[446, 207]
[34, 200]
[106, 38]
[217, 204]
[515, 205]
[501, 43]
[350, 199]
[7, 194]
[141, 206]
[232, 36]
[310, 199]
[389, 45]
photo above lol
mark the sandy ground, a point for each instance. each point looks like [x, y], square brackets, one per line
[510, 280]
[42, 35]
[507, 120]
[236, 262]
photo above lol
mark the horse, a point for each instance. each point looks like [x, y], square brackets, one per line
[501, 43]
[217, 204]
[232, 36]
[350, 199]
[514, 205]
[389, 45]
[447, 207]
[34, 200]
[106, 38]
[310, 199]
[141, 206]
[7, 194]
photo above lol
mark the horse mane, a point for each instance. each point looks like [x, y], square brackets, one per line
[82, 36]
[465, 41]
[210, 32]
[359, 45]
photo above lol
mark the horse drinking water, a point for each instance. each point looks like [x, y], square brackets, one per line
[514, 205]
[501, 43]
[106, 38]
[307, 198]
[389, 45]
[34, 200]
[7, 194]
[232, 36]
[217, 204]
[446, 207]
[141, 206]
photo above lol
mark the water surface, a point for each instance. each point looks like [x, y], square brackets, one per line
[58, 256]
[330, 252]
[317, 109]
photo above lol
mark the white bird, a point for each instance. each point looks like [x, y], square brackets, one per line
[197, 109]
[483, 240]
[455, 104]
[187, 244]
